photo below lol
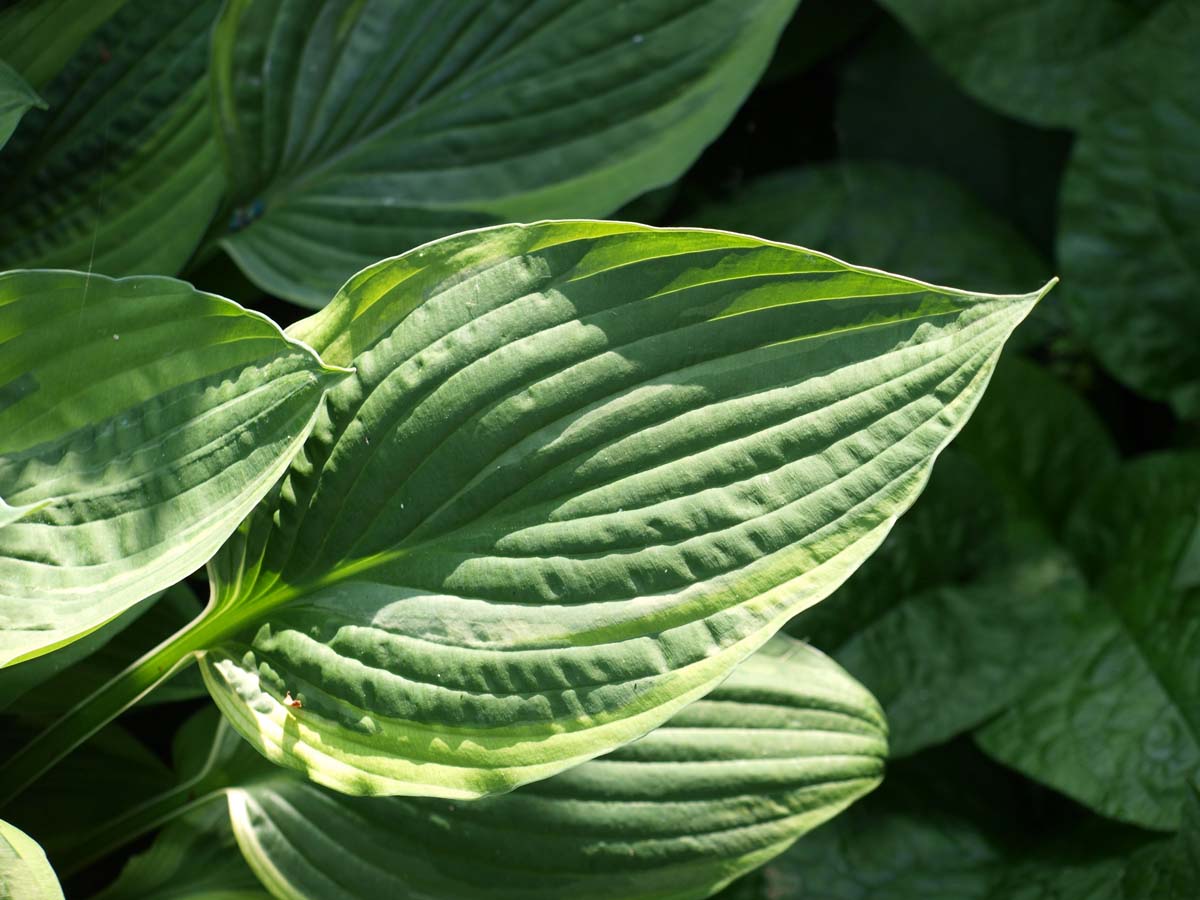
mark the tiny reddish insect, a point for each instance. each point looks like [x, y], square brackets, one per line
[288, 700]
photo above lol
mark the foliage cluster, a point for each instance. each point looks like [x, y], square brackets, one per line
[504, 572]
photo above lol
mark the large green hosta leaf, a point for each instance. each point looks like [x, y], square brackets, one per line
[1119, 729]
[140, 420]
[583, 470]
[16, 98]
[122, 175]
[1130, 234]
[786, 743]
[24, 872]
[345, 147]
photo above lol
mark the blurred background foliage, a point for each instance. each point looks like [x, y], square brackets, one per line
[1032, 627]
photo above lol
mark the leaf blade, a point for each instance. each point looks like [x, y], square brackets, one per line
[489, 113]
[785, 744]
[506, 551]
[143, 419]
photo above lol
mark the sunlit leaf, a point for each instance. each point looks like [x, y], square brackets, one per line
[143, 420]
[24, 872]
[786, 743]
[583, 470]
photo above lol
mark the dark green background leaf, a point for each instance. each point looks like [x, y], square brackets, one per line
[344, 148]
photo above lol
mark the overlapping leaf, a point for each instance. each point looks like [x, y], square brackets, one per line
[345, 147]
[582, 471]
[122, 175]
[111, 773]
[140, 420]
[57, 681]
[787, 742]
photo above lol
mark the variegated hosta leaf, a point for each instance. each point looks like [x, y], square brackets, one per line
[583, 470]
[25, 874]
[786, 743]
[16, 98]
[122, 175]
[345, 146]
[140, 421]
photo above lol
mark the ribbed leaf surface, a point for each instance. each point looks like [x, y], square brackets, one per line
[122, 175]
[354, 130]
[140, 420]
[16, 98]
[787, 742]
[25, 874]
[583, 470]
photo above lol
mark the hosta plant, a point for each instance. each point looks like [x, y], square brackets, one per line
[511, 500]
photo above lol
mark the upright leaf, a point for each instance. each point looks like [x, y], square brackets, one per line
[582, 471]
[344, 148]
[786, 743]
[140, 421]
[16, 98]
[122, 176]
[24, 872]
[1119, 730]
[1130, 233]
